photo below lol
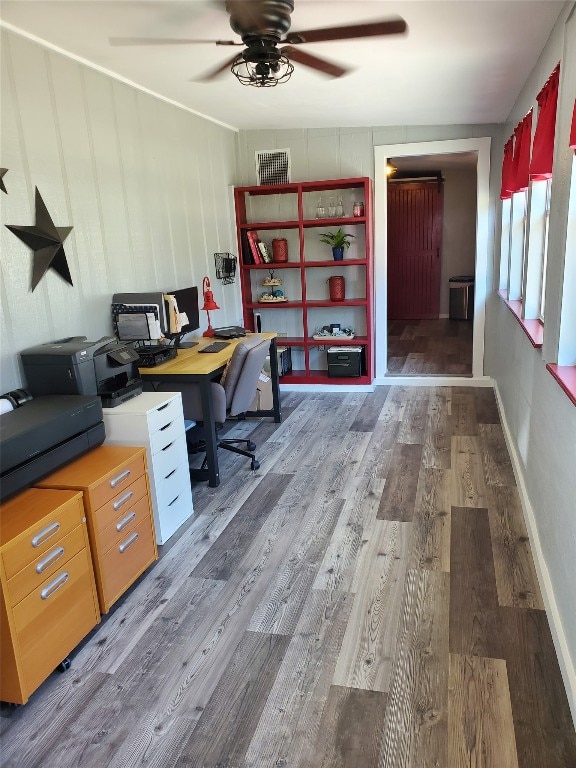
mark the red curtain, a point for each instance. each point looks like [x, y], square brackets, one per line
[543, 149]
[506, 188]
[521, 159]
[573, 130]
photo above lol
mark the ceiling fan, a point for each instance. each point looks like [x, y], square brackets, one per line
[263, 25]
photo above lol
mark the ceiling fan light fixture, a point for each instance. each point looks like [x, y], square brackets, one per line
[264, 73]
[390, 169]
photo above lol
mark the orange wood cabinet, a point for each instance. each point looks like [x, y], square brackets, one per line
[114, 482]
[48, 598]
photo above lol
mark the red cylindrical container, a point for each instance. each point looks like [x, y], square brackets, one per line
[279, 250]
[336, 285]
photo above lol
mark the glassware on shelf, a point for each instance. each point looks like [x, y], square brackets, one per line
[320, 210]
[331, 208]
[339, 209]
[358, 209]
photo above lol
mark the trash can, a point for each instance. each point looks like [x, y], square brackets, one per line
[461, 297]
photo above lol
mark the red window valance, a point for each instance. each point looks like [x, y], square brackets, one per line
[506, 188]
[543, 149]
[521, 159]
[573, 130]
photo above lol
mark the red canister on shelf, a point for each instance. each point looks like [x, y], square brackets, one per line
[337, 289]
[279, 250]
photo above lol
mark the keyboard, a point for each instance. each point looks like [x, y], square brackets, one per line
[216, 346]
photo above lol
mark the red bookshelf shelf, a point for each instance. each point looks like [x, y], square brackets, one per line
[266, 215]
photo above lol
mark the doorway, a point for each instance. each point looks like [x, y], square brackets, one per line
[479, 151]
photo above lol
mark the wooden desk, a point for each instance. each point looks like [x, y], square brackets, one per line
[192, 366]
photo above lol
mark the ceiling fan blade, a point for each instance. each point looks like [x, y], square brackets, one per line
[372, 29]
[322, 65]
[164, 41]
[218, 71]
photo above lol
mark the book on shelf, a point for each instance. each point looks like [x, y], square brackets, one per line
[246, 250]
[253, 239]
[264, 252]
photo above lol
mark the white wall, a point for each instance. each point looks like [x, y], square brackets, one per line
[458, 228]
[144, 185]
[540, 417]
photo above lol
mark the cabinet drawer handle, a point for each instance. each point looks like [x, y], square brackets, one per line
[129, 541]
[161, 408]
[118, 479]
[170, 474]
[54, 586]
[165, 426]
[46, 534]
[122, 500]
[125, 520]
[173, 500]
[56, 554]
[168, 446]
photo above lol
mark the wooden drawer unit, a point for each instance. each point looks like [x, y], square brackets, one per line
[48, 600]
[114, 482]
[156, 421]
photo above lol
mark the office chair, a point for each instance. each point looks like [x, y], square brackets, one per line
[233, 396]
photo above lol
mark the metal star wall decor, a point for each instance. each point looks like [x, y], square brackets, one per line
[3, 172]
[47, 242]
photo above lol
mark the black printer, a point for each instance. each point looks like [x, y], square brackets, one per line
[75, 366]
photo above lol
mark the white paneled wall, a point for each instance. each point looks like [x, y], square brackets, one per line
[145, 186]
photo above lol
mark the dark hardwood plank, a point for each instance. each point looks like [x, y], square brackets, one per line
[468, 487]
[474, 619]
[486, 406]
[225, 729]
[349, 730]
[368, 414]
[516, 579]
[437, 448]
[481, 732]
[223, 557]
[399, 496]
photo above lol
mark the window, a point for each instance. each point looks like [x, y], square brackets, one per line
[505, 244]
[517, 245]
[544, 251]
[534, 278]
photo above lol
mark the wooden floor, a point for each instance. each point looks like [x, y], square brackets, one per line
[431, 347]
[367, 599]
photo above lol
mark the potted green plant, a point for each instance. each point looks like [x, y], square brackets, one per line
[339, 240]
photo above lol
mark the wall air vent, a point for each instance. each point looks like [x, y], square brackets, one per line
[273, 167]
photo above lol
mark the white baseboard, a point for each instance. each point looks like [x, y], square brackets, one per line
[327, 387]
[559, 638]
[435, 381]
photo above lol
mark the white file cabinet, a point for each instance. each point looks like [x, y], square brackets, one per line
[155, 420]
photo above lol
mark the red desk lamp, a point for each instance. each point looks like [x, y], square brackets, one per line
[209, 304]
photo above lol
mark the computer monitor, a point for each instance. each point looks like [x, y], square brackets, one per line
[187, 300]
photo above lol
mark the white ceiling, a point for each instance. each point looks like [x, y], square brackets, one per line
[462, 61]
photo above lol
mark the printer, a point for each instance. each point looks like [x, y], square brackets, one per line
[75, 366]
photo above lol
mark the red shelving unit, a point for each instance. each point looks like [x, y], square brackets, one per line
[289, 211]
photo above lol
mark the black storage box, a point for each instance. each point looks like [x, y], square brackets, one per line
[344, 361]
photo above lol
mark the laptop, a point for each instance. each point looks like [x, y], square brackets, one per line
[229, 332]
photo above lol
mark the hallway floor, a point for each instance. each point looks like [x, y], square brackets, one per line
[430, 347]
[367, 599]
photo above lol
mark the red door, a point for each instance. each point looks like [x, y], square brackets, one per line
[414, 241]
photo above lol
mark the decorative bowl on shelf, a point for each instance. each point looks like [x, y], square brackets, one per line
[332, 336]
[271, 299]
[272, 281]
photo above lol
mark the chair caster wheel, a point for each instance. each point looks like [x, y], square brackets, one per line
[255, 465]
[64, 666]
[251, 446]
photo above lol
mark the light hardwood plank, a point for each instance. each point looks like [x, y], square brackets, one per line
[365, 660]
[437, 437]
[413, 425]
[480, 727]
[464, 420]
[416, 728]
[468, 488]
[369, 413]
[432, 522]
[495, 458]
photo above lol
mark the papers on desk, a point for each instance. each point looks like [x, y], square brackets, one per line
[140, 325]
